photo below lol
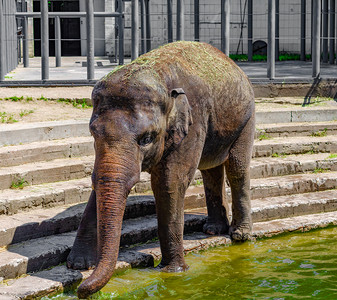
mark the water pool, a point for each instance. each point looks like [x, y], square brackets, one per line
[295, 266]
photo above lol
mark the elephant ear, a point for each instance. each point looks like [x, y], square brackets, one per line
[179, 120]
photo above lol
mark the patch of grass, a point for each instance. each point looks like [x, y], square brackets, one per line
[280, 155]
[8, 77]
[319, 170]
[198, 182]
[19, 184]
[14, 98]
[264, 136]
[310, 152]
[332, 155]
[320, 133]
[78, 103]
[7, 118]
[29, 99]
[42, 98]
[25, 112]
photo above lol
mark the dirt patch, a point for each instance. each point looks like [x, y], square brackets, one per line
[24, 111]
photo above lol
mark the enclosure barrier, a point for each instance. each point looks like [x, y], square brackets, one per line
[320, 14]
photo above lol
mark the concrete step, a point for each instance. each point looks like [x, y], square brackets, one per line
[296, 114]
[47, 171]
[23, 133]
[83, 146]
[45, 222]
[295, 145]
[38, 254]
[44, 282]
[296, 129]
[46, 151]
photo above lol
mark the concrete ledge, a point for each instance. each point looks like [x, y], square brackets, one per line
[14, 134]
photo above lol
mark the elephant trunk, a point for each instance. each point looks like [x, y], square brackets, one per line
[113, 183]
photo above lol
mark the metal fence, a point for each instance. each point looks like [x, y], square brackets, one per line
[235, 27]
[8, 33]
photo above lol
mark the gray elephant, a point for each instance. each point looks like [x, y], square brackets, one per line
[182, 107]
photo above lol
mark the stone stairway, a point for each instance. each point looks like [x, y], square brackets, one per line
[45, 181]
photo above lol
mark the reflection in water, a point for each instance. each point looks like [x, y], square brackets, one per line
[293, 266]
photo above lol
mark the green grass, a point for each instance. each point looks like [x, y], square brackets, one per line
[332, 155]
[319, 170]
[320, 133]
[42, 98]
[25, 112]
[78, 103]
[14, 98]
[256, 57]
[264, 136]
[198, 182]
[29, 99]
[7, 118]
[19, 184]
[281, 155]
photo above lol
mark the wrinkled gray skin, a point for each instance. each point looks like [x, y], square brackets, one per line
[170, 125]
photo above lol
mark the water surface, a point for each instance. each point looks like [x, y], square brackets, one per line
[295, 266]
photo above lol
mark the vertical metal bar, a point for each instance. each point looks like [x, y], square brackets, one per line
[271, 39]
[2, 43]
[143, 26]
[250, 30]
[196, 21]
[169, 22]
[332, 32]
[225, 26]
[316, 52]
[180, 20]
[148, 25]
[25, 43]
[277, 30]
[120, 33]
[134, 29]
[58, 41]
[325, 30]
[303, 28]
[312, 27]
[90, 40]
[44, 40]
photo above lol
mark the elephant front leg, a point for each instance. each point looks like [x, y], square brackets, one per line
[84, 252]
[217, 206]
[169, 186]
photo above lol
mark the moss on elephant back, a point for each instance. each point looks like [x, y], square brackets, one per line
[193, 58]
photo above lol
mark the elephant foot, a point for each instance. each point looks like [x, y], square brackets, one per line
[173, 268]
[81, 258]
[241, 232]
[214, 228]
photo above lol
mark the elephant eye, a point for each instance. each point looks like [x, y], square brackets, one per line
[147, 139]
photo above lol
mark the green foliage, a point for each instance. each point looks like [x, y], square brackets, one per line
[198, 182]
[25, 112]
[280, 155]
[319, 170]
[42, 98]
[14, 98]
[29, 99]
[256, 57]
[78, 103]
[264, 136]
[332, 155]
[8, 77]
[7, 118]
[320, 133]
[19, 184]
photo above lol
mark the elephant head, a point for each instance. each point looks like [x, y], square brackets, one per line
[134, 127]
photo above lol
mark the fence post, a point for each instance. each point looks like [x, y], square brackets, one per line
[2, 44]
[196, 21]
[225, 26]
[120, 33]
[44, 40]
[250, 30]
[277, 29]
[325, 30]
[58, 41]
[332, 32]
[303, 24]
[169, 22]
[134, 29]
[25, 43]
[271, 39]
[180, 20]
[90, 40]
[148, 25]
[316, 37]
[142, 27]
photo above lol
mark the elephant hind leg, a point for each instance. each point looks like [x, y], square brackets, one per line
[238, 174]
[84, 252]
[217, 206]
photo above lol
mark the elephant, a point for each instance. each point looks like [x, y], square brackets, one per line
[181, 107]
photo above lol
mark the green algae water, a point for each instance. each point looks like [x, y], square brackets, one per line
[295, 266]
